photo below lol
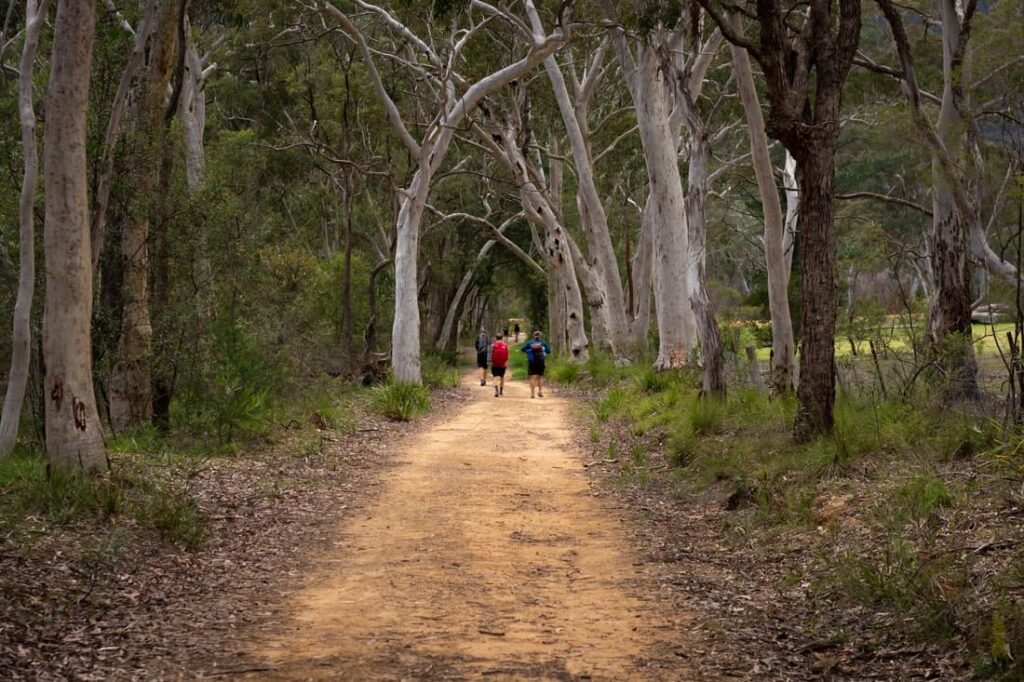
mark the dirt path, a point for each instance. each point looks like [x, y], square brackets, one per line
[486, 555]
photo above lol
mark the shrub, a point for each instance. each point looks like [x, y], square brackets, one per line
[175, 517]
[437, 371]
[401, 402]
[564, 372]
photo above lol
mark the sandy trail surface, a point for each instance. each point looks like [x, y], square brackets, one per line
[486, 556]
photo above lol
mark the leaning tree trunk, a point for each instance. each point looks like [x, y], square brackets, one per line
[21, 341]
[777, 265]
[74, 438]
[131, 400]
[642, 274]
[556, 247]
[819, 283]
[605, 288]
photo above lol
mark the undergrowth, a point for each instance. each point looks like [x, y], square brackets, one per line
[911, 474]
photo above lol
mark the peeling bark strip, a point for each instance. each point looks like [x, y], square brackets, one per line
[21, 340]
[67, 345]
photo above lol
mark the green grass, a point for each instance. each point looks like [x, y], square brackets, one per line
[401, 402]
[30, 494]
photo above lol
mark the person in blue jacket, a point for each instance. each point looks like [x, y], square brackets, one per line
[537, 350]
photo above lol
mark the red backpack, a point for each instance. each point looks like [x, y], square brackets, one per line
[499, 354]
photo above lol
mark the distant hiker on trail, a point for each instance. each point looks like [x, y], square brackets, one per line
[536, 350]
[504, 330]
[516, 330]
[483, 345]
[499, 359]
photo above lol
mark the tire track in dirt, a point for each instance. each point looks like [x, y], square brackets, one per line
[486, 555]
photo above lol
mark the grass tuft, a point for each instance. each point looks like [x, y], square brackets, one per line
[401, 402]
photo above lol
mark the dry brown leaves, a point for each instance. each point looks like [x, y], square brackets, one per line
[108, 601]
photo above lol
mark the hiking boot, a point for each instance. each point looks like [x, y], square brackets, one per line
[540, 393]
[483, 382]
[496, 393]
[501, 391]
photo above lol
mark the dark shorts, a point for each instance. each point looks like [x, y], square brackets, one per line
[481, 360]
[497, 371]
[535, 368]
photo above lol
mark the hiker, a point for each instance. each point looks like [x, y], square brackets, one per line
[516, 330]
[499, 359]
[536, 350]
[504, 330]
[483, 345]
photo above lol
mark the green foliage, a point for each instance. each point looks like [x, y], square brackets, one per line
[438, 372]
[929, 594]
[401, 402]
[28, 490]
[610, 404]
[232, 398]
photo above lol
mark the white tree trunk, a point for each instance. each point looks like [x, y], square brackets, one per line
[792, 188]
[21, 341]
[405, 332]
[74, 437]
[556, 249]
[192, 112]
[676, 332]
[777, 265]
[713, 382]
[430, 153]
[605, 293]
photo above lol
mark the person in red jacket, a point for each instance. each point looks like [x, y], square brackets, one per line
[499, 359]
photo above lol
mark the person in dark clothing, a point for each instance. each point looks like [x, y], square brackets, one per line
[516, 329]
[536, 350]
[483, 346]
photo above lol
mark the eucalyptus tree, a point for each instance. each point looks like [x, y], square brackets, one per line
[641, 66]
[35, 17]
[776, 228]
[806, 59]
[958, 172]
[456, 98]
[131, 398]
[74, 435]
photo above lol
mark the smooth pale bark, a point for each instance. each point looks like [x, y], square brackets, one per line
[192, 113]
[429, 154]
[605, 294]
[792, 211]
[670, 242]
[131, 400]
[699, 153]
[74, 437]
[556, 248]
[776, 263]
[21, 340]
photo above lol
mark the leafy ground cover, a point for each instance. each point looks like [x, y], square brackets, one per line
[151, 570]
[890, 550]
